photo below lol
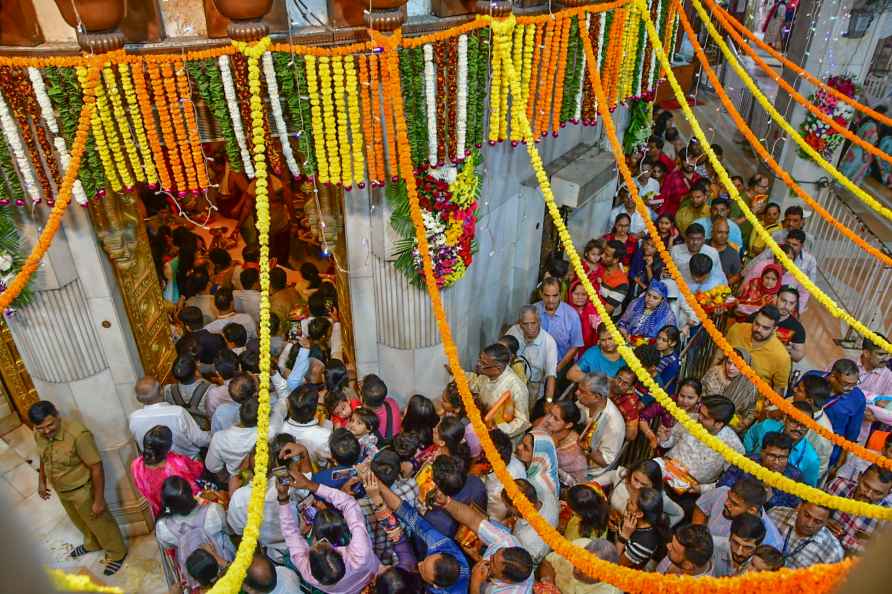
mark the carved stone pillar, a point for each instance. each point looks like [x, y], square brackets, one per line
[76, 342]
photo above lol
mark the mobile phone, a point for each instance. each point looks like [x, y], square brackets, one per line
[294, 330]
[281, 473]
[307, 510]
[342, 474]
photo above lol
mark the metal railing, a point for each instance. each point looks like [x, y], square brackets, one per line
[857, 281]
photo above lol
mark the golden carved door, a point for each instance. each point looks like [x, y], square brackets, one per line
[122, 232]
[17, 392]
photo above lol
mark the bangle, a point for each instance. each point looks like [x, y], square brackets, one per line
[621, 539]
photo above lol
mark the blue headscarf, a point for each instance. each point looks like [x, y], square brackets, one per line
[637, 324]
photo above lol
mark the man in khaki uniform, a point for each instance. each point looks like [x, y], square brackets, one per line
[70, 461]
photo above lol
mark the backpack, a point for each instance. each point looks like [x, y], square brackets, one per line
[190, 536]
[195, 406]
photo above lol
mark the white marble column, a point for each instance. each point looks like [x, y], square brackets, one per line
[77, 345]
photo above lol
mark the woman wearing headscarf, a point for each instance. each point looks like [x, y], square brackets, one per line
[588, 315]
[726, 379]
[538, 453]
[758, 292]
[649, 313]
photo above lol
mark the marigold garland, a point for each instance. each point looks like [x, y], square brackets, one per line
[543, 107]
[785, 261]
[133, 105]
[557, 106]
[114, 96]
[371, 148]
[209, 82]
[343, 138]
[377, 110]
[79, 583]
[530, 34]
[390, 85]
[316, 121]
[182, 136]
[231, 581]
[113, 137]
[108, 164]
[54, 220]
[495, 99]
[533, 86]
[355, 121]
[625, 578]
[164, 120]
[185, 92]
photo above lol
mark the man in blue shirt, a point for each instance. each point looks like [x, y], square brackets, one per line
[846, 405]
[444, 566]
[721, 207]
[803, 455]
[560, 320]
[775, 455]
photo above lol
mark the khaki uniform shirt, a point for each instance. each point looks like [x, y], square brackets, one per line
[68, 455]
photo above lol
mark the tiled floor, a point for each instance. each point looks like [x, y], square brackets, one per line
[52, 533]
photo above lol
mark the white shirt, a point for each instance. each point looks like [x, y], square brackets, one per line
[542, 355]
[494, 487]
[530, 539]
[287, 581]
[682, 257]
[229, 447]
[638, 227]
[608, 436]
[216, 327]
[188, 437]
[214, 525]
[704, 464]
[247, 302]
[312, 436]
[822, 445]
[204, 302]
[270, 529]
[335, 344]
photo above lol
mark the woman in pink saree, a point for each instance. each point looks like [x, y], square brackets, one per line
[157, 463]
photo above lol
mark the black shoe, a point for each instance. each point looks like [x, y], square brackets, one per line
[112, 567]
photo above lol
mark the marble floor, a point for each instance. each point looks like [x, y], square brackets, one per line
[52, 534]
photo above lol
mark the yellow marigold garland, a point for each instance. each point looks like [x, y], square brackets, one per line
[114, 96]
[185, 92]
[322, 175]
[337, 69]
[148, 117]
[503, 104]
[131, 94]
[495, 99]
[779, 254]
[630, 49]
[231, 581]
[819, 578]
[355, 120]
[527, 63]
[517, 57]
[79, 583]
[112, 139]
[328, 120]
[108, 164]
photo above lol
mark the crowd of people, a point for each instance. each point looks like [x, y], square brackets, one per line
[366, 495]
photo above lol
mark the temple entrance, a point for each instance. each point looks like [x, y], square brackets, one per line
[17, 392]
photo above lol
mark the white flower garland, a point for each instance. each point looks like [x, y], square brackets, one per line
[654, 75]
[272, 88]
[430, 87]
[461, 111]
[234, 115]
[46, 111]
[578, 114]
[15, 143]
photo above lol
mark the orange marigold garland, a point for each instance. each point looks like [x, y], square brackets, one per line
[388, 84]
[167, 133]
[617, 39]
[546, 76]
[533, 87]
[182, 136]
[148, 118]
[365, 103]
[561, 72]
[185, 91]
[377, 111]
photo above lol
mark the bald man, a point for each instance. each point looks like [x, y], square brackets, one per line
[265, 578]
[188, 438]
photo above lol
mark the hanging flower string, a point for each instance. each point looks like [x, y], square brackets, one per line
[148, 118]
[430, 98]
[461, 109]
[181, 135]
[185, 91]
[377, 128]
[234, 114]
[272, 90]
[339, 86]
[366, 107]
[356, 141]
[46, 111]
[170, 140]
[130, 95]
[120, 117]
[317, 123]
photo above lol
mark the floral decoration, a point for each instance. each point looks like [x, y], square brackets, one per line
[449, 209]
[819, 135]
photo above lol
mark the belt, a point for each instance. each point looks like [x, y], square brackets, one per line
[75, 488]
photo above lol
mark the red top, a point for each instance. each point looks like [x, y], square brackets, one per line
[674, 188]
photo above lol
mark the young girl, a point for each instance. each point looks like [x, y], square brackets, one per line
[451, 405]
[420, 413]
[646, 266]
[667, 369]
[591, 260]
[449, 437]
[363, 425]
[688, 399]
[641, 536]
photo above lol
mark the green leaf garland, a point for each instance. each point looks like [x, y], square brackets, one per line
[291, 77]
[211, 91]
[9, 173]
[12, 257]
[411, 77]
[573, 72]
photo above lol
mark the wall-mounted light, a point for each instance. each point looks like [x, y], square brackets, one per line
[859, 22]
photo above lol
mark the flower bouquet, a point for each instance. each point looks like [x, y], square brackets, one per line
[716, 300]
[819, 135]
[449, 210]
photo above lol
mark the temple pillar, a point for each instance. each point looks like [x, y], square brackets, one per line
[818, 44]
[77, 344]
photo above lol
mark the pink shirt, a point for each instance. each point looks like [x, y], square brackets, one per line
[396, 423]
[360, 561]
[149, 480]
